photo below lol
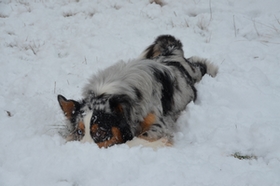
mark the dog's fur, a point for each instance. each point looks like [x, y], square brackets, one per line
[141, 98]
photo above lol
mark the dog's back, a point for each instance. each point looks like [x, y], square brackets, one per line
[149, 87]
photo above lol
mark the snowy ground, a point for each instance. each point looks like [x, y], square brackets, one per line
[51, 47]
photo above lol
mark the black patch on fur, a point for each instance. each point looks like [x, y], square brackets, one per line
[124, 117]
[194, 92]
[124, 100]
[138, 93]
[183, 71]
[126, 133]
[164, 78]
[106, 121]
[203, 68]
[190, 81]
[190, 64]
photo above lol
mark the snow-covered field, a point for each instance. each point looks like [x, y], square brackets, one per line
[229, 137]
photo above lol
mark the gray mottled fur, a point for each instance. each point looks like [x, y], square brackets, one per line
[139, 80]
[124, 77]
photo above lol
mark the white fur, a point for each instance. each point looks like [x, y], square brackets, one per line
[162, 142]
[87, 137]
[212, 69]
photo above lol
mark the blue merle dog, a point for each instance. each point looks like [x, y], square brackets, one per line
[139, 101]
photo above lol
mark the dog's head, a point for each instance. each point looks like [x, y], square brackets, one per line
[103, 119]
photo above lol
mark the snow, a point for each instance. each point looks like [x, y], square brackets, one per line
[52, 47]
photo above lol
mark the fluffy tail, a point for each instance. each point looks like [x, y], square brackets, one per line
[164, 45]
[205, 66]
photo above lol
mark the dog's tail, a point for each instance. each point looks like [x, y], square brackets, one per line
[164, 45]
[167, 48]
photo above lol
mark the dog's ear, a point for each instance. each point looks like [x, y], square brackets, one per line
[69, 107]
[121, 106]
[120, 103]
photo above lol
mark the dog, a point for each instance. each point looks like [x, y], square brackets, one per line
[137, 102]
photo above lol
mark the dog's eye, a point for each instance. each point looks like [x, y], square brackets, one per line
[79, 132]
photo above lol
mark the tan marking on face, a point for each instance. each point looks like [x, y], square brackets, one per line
[148, 121]
[68, 107]
[81, 126]
[119, 108]
[94, 128]
[116, 139]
